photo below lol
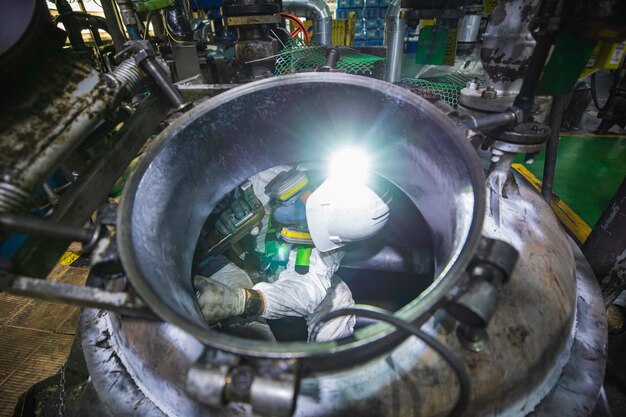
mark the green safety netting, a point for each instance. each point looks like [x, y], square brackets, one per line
[447, 87]
[298, 57]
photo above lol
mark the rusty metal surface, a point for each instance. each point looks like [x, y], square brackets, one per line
[508, 44]
[195, 92]
[606, 247]
[48, 118]
[63, 293]
[37, 256]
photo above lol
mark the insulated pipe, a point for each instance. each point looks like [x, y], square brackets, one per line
[322, 19]
[395, 27]
[508, 45]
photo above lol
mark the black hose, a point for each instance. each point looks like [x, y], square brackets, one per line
[559, 104]
[145, 32]
[594, 95]
[383, 315]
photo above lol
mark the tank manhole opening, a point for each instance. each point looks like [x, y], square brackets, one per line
[257, 237]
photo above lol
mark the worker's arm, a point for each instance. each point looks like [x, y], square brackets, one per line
[299, 295]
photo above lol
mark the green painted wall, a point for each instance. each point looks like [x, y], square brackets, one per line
[589, 169]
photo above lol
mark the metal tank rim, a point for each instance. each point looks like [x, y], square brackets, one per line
[581, 375]
[416, 310]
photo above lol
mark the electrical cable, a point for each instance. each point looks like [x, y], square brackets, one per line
[383, 315]
[145, 32]
[169, 34]
[278, 38]
[614, 84]
[594, 95]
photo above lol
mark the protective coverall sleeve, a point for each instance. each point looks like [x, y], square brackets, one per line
[339, 296]
[299, 295]
[233, 276]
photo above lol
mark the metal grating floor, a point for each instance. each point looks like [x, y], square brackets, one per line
[35, 338]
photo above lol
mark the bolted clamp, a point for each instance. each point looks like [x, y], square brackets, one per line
[270, 386]
[492, 266]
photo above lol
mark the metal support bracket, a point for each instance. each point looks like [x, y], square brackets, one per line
[57, 292]
[476, 303]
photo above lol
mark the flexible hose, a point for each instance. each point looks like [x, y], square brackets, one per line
[383, 315]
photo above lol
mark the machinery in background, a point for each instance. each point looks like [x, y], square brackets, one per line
[516, 345]
[219, 42]
[613, 112]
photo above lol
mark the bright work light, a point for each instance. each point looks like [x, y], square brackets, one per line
[350, 166]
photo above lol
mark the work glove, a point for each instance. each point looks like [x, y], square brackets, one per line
[218, 301]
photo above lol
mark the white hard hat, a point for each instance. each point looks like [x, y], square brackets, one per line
[338, 213]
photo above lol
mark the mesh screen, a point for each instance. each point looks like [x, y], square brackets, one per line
[446, 87]
[297, 57]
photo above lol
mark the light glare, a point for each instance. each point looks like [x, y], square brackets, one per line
[349, 165]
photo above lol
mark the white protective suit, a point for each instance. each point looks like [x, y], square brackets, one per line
[311, 295]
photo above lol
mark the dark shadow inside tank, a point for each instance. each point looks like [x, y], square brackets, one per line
[388, 270]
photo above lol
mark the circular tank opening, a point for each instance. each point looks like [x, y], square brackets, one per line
[225, 140]
[387, 270]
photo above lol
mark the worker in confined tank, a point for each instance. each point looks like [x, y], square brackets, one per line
[336, 213]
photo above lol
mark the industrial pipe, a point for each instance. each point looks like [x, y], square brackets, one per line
[559, 103]
[87, 98]
[322, 19]
[113, 22]
[491, 121]
[508, 45]
[395, 27]
[545, 40]
[45, 228]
